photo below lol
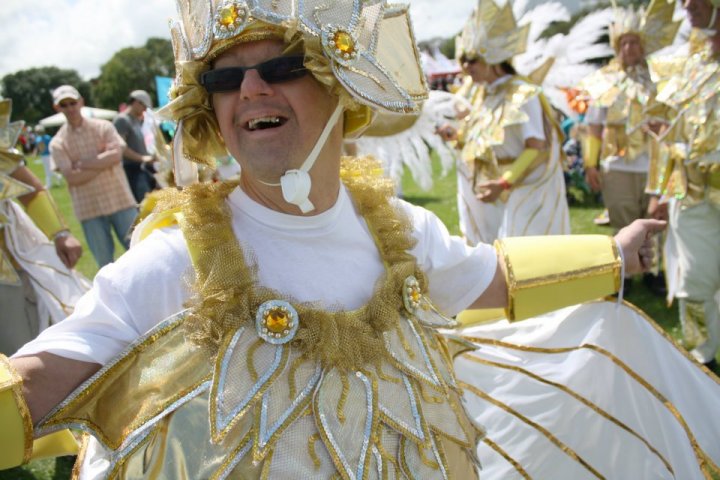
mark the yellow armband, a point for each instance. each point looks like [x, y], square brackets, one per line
[550, 272]
[16, 435]
[17, 432]
[45, 214]
[591, 151]
[520, 165]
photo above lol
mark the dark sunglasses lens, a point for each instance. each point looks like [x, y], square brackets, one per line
[222, 79]
[282, 69]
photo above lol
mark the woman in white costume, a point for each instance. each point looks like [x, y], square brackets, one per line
[510, 173]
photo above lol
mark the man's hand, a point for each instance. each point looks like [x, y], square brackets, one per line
[592, 177]
[447, 132]
[147, 158]
[636, 243]
[68, 249]
[489, 191]
[657, 209]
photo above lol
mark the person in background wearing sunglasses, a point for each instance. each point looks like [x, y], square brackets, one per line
[309, 342]
[509, 171]
[88, 152]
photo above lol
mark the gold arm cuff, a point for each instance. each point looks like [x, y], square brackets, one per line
[549, 272]
[520, 165]
[17, 432]
[45, 214]
[591, 151]
[56, 444]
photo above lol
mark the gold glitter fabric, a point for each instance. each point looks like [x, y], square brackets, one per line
[281, 389]
[365, 53]
[494, 110]
[626, 93]
[654, 25]
[687, 165]
[492, 33]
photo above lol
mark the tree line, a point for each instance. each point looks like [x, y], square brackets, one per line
[129, 69]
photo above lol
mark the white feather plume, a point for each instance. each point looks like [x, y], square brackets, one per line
[411, 148]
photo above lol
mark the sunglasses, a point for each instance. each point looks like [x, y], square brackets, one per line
[468, 60]
[67, 104]
[275, 70]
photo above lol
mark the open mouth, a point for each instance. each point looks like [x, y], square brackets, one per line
[264, 123]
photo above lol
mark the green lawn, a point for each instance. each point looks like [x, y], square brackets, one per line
[440, 200]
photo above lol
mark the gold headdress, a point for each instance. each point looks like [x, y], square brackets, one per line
[654, 26]
[364, 51]
[491, 33]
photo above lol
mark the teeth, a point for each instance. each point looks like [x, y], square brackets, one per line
[253, 124]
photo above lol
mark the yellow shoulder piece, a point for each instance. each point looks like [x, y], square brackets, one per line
[549, 272]
[154, 221]
[56, 444]
[17, 431]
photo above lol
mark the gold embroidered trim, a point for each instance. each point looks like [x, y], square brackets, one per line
[311, 450]
[231, 456]
[507, 457]
[552, 438]
[14, 384]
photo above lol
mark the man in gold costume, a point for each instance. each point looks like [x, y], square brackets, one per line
[687, 169]
[510, 175]
[310, 340]
[617, 140]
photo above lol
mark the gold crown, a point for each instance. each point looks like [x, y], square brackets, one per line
[364, 51]
[654, 26]
[370, 45]
[492, 33]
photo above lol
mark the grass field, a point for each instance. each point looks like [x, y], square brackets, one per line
[440, 200]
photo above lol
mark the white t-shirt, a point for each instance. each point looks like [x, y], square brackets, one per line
[328, 258]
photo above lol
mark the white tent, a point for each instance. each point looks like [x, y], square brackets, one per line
[87, 112]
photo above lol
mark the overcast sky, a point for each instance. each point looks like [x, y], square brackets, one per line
[84, 34]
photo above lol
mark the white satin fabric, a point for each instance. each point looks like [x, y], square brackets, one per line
[590, 391]
[57, 288]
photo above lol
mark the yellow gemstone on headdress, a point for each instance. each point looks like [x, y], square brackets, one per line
[344, 42]
[277, 320]
[228, 15]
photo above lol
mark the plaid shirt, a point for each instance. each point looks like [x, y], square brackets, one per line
[106, 193]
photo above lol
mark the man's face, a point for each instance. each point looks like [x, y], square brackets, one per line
[137, 108]
[270, 128]
[700, 13]
[631, 51]
[71, 109]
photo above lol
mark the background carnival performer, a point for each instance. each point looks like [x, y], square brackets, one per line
[619, 130]
[510, 179]
[269, 372]
[37, 251]
[688, 171]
